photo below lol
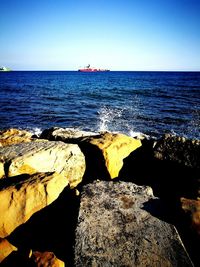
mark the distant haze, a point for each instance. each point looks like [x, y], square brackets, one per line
[112, 34]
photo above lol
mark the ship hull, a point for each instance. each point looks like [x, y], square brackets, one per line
[92, 70]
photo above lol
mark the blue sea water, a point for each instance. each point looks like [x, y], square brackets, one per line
[152, 103]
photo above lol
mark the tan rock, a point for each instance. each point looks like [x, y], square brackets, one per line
[5, 248]
[192, 207]
[23, 197]
[46, 259]
[44, 156]
[113, 147]
[14, 136]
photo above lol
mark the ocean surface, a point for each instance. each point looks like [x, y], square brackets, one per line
[152, 103]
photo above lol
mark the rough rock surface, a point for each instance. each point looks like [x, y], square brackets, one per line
[21, 198]
[5, 248]
[46, 259]
[64, 134]
[108, 150]
[14, 136]
[179, 150]
[2, 173]
[192, 207]
[116, 228]
[44, 156]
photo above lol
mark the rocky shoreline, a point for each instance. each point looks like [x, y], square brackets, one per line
[59, 206]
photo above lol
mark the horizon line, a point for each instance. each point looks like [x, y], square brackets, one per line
[109, 70]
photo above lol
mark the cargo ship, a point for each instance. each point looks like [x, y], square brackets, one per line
[90, 69]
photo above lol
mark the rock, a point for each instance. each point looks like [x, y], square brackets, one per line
[51, 229]
[46, 259]
[106, 152]
[14, 136]
[116, 227]
[44, 156]
[5, 248]
[64, 134]
[179, 150]
[2, 173]
[21, 198]
[192, 207]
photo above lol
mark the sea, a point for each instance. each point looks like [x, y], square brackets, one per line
[130, 102]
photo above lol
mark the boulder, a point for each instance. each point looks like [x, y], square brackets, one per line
[14, 136]
[44, 156]
[21, 197]
[2, 172]
[179, 150]
[192, 207]
[118, 225]
[5, 248]
[105, 152]
[46, 259]
[64, 134]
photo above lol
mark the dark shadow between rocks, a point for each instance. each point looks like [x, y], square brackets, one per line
[95, 164]
[51, 229]
[158, 209]
[17, 259]
[165, 177]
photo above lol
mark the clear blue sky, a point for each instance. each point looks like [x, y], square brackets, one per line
[114, 34]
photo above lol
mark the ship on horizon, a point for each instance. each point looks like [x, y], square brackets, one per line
[91, 69]
[4, 69]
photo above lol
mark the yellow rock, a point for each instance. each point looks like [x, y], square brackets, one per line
[1, 170]
[5, 248]
[14, 136]
[44, 156]
[23, 197]
[114, 148]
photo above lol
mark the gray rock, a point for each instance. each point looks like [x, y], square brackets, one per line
[116, 228]
[64, 134]
[179, 150]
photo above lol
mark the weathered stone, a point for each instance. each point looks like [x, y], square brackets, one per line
[46, 259]
[64, 134]
[44, 156]
[116, 227]
[14, 136]
[192, 207]
[21, 198]
[179, 150]
[2, 173]
[5, 248]
[108, 150]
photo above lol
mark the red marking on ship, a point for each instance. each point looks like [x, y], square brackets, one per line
[90, 69]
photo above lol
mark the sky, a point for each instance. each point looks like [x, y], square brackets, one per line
[146, 35]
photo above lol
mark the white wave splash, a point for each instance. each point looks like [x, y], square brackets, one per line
[107, 118]
[138, 135]
[114, 120]
[35, 131]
